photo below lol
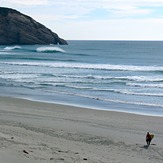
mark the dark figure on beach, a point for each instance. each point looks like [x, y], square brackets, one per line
[148, 138]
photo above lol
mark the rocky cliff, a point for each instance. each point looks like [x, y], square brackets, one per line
[17, 28]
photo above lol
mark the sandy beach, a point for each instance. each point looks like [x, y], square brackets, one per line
[37, 132]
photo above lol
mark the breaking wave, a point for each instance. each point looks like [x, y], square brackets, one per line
[49, 49]
[142, 85]
[115, 100]
[90, 66]
[9, 48]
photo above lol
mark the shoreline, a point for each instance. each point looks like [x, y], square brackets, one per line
[33, 131]
[83, 106]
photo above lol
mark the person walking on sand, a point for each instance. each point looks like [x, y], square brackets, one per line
[148, 138]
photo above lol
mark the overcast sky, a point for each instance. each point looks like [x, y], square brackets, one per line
[96, 19]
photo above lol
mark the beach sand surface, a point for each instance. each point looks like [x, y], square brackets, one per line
[38, 132]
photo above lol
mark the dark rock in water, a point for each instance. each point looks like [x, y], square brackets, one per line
[17, 28]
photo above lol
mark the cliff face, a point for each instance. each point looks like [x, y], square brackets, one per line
[17, 28]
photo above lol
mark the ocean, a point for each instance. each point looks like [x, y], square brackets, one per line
[125, 76]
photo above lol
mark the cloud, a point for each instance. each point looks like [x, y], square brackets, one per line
[23, 2]
[84, 8]
[115, 9]
[114, 29]
[86, 3]
[96, 19]
[130, 11]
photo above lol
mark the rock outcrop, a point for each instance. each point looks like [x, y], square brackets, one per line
[17, 28]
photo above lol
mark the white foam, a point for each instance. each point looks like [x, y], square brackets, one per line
[2, 53]
[137, 93]
[8, 48]
[49, 49]
[90, 66]
[155, 78]
[145, 85]
[115, 100]
[17, 77]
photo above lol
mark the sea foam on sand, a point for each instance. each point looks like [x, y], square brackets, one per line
[32, 132]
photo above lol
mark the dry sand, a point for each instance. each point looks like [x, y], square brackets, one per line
[36, 132]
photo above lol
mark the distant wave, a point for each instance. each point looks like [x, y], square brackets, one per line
[123, 79]
[138, 94]
[49, 49]
[9, 48]
[120, 91]
[104, 79]
[141, 78]
[114, 100]
[2, 53]
[74, 87]
[133, 103]
[145, 85]
[91, 66]
[18, 77]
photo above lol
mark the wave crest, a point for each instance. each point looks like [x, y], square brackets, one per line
[9, 48]
[108, 67]
[49, 49]
[142, 85]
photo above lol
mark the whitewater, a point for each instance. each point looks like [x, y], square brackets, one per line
[124, 76]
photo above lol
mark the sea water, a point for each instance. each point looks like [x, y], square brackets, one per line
[124, 76]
